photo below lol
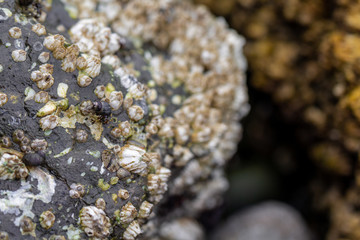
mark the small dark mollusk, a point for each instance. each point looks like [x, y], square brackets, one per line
[25, 2]
[34, 159]
[102, 108]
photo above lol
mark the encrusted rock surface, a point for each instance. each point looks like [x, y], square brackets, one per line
[115, 117]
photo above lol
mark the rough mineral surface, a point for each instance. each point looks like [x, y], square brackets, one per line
[97, 97]
[306, 55]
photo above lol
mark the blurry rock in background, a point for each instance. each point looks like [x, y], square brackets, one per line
[181, 229]
[305, 56]
[265, 221]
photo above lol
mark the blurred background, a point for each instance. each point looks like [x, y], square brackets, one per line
[275, 159]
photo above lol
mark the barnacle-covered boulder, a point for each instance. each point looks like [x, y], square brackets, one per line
[115, 116]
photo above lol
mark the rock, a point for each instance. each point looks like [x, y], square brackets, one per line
[265, 221]
[149, 105]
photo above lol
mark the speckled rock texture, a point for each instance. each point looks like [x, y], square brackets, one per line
[305, 54]
[116, 117]
[265, 221]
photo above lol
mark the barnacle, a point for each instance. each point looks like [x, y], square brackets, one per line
[41, 97]
[83, 80]
[39, 29]
[123, 194]
[3, 99]
[39, 145]
[47, 219]
[49, 122]
[100, 204]
[44, 57]
[27, 226]
[128, 213]
[5, 142]
[130, 158]
[81, 135]
[18, 55]
[145, 209]
[132, 231]
[135, 113]
[115, 100]
[94, 222]
[4, 235]
[15, 32]
[76, 190]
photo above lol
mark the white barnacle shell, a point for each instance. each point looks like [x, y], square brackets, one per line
[137, 90]
[93, 66]
[123, 194]
[128, 213]
[81, 63]
[50, 42]
[112, 60]
[83, 80]
[100, 203]
[135, 113]
[151, 128]
[46, 68]
[36, 76]
[132, 231]
[157, 183]
[44, 57]
[130, 158]
[153, 159]
[153, 183]
[94, 222]
[100, 91]
[41, 97]
[46, 82]
[15, 32]
[18, 55]
[39, 29]
[113, 44]
[49, 122]
[164, 174]
[115, 100]
[68, 64]
[76, 190]
[3, 99]
[125, 128]
[145, 209]
[47, 219]
[11, 167]
[62, 90]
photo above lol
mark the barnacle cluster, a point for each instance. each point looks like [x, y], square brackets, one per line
[122, 105]
[11, 167]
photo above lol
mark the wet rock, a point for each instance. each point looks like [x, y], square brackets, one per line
[91, 110]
